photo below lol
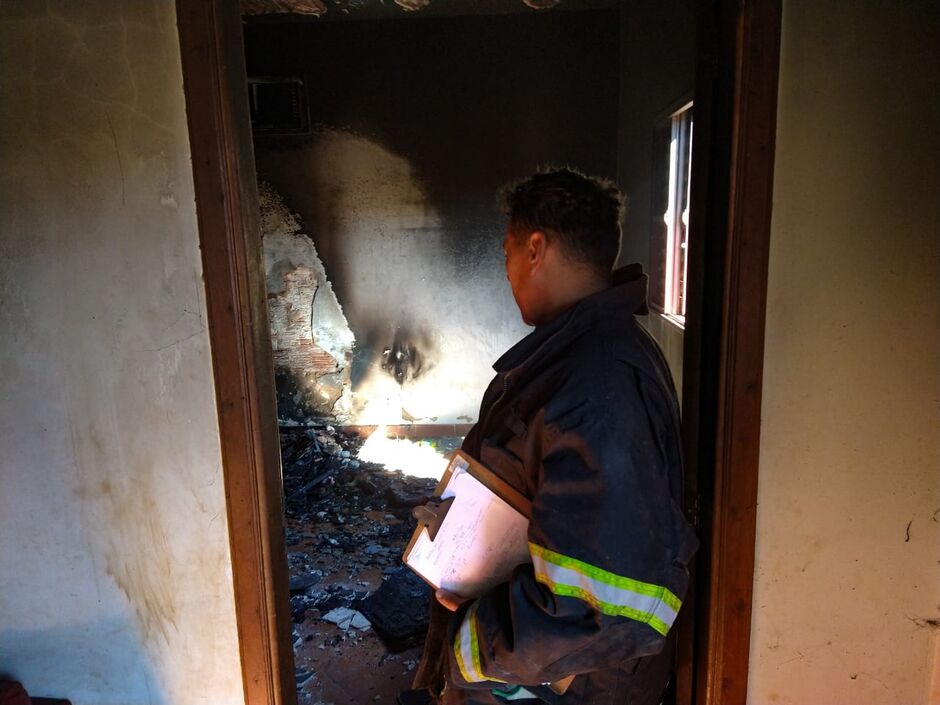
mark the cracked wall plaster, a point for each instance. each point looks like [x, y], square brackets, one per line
[115, 574]
[311, 339]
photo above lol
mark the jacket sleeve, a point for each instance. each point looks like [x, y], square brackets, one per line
[609, 548]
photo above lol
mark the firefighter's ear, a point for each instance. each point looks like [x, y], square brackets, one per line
[536, 247]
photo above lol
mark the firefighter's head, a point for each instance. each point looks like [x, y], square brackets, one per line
[562, 240]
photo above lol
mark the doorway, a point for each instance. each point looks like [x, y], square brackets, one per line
[381, 138]
[220, 134]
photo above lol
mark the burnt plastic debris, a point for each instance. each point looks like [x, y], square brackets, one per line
[399, 611]
[301, 583]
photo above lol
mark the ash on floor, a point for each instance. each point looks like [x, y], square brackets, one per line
[348, 523]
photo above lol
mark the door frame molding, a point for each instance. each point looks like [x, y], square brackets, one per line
[214, 82]
[736, 90]
[733, 165]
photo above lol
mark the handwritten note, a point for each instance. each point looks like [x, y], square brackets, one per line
[481, 540]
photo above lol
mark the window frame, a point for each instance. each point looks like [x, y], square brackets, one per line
[676, 216]
[671, 158]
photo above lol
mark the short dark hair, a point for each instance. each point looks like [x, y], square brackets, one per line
[583, 212]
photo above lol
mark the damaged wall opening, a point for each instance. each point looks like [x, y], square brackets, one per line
[387, 296]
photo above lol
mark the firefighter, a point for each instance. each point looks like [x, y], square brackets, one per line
[582, 418]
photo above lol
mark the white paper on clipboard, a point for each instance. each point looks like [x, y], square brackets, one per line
[479, 543]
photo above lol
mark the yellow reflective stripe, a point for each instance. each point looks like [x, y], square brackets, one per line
[475, 644]
[601, 575]
[467, 650]
[605, 607]
[458, 653]
[607, 592]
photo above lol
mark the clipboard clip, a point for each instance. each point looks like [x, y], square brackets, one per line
[431, 514]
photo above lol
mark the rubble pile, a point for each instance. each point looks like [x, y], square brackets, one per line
[359, 615]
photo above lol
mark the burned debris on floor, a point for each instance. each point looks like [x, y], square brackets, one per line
[359, 615]
[399, 609]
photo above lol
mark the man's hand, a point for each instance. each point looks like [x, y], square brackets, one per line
[450, 600]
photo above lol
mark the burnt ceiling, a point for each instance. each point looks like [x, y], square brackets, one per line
[283, 7]
[300, 10]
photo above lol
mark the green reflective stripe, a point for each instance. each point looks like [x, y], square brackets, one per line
[605, 607]
[475, 648]
[474, 643]
[462, 648]
[608, 592]
[467, 650]
[612, 579]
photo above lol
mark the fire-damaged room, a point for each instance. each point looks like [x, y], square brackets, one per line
[273, 430]
[383, 134]
[380, 221]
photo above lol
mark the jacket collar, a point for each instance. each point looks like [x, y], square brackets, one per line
[626, 296]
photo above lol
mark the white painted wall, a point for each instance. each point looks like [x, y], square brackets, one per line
[850, 449]
[115, 575]
[671, 339]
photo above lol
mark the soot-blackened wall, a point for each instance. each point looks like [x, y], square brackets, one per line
[417, 124]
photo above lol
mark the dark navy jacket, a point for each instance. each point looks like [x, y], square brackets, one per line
[582, 418]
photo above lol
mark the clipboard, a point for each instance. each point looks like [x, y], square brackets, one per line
[471, 533]
[437, 508]
[432, 518]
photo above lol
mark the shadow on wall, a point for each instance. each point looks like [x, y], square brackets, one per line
[423, 349]
[99, 657]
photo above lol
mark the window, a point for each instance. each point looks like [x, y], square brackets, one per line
[670, 213]
[278, 106]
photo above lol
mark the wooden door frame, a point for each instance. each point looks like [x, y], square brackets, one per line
[214, 81]
[732, 178]
[731, 200]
